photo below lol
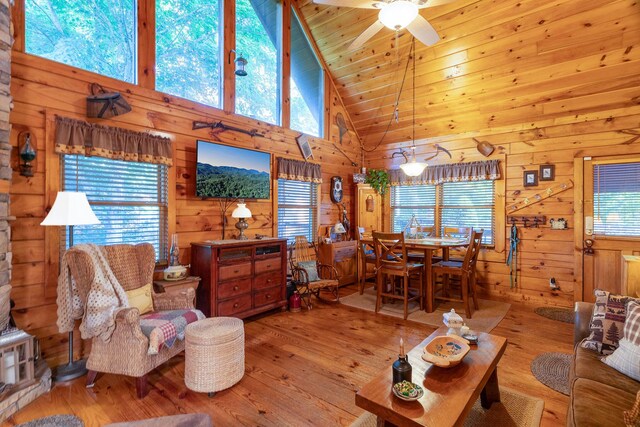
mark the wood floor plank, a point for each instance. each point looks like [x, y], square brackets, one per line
[303, 369]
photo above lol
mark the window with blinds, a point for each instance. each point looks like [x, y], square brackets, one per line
[452, 204]
[297, 209]
[130, 199]
[616, 199]
[409, 200]
[468, 204]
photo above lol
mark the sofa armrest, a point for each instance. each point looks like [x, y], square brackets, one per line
[583, 311]
[176, 300]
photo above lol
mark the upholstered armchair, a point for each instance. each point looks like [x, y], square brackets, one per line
[126, 353]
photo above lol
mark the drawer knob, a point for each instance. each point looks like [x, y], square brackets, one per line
[269, 280]
[267, 296]
[236, 271]
[235, 288]
[235, 305]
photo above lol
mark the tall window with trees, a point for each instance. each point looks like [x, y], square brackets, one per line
[297, 209]
[130, 199]
[188, 46]
[258, 29]
[98, 36]
[307, 83]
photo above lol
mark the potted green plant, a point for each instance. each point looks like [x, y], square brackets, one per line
[378, 179]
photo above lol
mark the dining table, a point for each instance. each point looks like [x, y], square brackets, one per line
[429, 245]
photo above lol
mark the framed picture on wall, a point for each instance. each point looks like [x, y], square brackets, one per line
[547, 172]
[530, 178]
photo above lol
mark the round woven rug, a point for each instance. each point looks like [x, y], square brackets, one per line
[552, 370]
[556, 313]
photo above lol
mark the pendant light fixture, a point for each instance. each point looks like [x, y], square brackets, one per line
[413, 167]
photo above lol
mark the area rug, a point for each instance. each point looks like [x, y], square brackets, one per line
[54, 421]
[552, 370]
[482, 320]
[514, 409]
[556, 313]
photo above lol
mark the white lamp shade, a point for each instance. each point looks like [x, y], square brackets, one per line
[339, 228]
[413, 168]
[71, 208]
[398, 14]
[241, 211]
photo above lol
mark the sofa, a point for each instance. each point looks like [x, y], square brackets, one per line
[599, 393]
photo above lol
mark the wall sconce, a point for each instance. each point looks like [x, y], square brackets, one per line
[27, 153]
[240, 64]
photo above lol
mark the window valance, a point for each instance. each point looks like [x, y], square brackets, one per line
[80, 137]
[454, 172]
[299, 171]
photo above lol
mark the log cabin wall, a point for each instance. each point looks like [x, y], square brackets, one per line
[43, 89]
[6, 160]
[546, 82]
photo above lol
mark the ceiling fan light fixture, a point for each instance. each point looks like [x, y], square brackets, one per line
[398, 14]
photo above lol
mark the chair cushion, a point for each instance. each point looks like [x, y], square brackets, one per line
[311, 268]
[141, 299]
[163, 327]
[597, 404]
[587, 364]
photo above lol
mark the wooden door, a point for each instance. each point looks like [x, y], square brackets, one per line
[370, 220]
[611, 221]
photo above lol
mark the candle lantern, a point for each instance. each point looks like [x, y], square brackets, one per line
[16, 358]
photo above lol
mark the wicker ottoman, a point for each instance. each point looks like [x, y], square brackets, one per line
[214, 354]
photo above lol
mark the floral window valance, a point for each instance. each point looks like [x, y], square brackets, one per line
[299, 171]
[454, 172]
[80, 137]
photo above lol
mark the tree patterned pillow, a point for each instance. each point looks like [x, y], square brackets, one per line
[607, 322]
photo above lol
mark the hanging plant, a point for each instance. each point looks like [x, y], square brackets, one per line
[378, 179]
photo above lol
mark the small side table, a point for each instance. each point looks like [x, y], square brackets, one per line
[161, 286]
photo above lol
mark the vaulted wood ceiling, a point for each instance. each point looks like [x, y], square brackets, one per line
[500, 64]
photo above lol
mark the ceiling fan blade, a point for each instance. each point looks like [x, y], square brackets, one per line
[433, 3]
[366, 35]
[423, 31]
[360, 4]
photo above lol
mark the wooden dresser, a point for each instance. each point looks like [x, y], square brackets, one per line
[240, 278]
[341, 255]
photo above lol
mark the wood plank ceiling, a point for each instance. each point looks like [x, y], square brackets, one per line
[500, 64]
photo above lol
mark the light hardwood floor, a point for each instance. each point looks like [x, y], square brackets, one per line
[304, 369]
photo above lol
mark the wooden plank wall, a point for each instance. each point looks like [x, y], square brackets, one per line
[41, 89]
[543, 253]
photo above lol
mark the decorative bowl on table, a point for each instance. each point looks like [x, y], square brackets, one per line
[408, 391]
[446, 351]
[175, 272]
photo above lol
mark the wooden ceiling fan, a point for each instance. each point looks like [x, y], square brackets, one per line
[395, 15]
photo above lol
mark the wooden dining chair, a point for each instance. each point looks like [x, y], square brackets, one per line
[391, 261]
[366, 256]
[465, 271]
[423, 232]
[460, 232]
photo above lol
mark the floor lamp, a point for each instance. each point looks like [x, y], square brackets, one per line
[70, 208]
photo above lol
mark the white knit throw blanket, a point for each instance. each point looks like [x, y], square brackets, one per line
[105, 298]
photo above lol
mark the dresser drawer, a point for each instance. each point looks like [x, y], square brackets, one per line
[234, 305]
[344, 253]
[268, 280]
[265, 265]
[234, 288]
[235, 271]
[267, 296]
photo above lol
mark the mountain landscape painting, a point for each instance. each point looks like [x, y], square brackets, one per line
[224, 171]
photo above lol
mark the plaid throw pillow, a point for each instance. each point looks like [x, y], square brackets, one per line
[607, 322]
[626, 359]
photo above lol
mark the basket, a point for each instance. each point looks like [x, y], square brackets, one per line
[104, 105]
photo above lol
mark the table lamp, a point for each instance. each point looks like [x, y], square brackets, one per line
[70, 208]
[242, 213]
[339, 229]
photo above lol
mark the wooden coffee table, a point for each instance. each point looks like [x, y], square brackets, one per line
[449, 393]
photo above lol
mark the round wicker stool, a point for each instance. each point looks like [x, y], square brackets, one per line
[214, 354]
